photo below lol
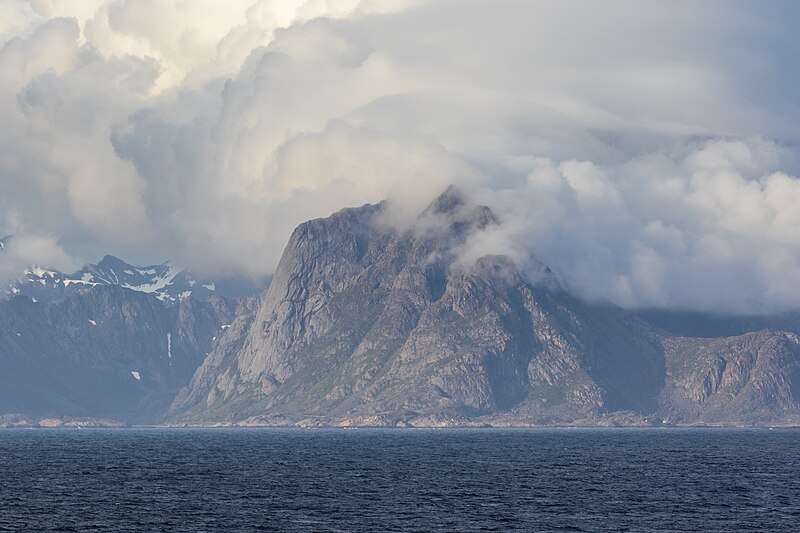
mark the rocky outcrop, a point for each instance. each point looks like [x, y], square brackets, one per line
[748, 379]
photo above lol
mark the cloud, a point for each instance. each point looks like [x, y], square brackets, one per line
[646, 153]
[22, 252]
[59, 170]
[702, 229]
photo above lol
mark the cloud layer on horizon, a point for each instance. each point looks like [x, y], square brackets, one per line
[647, 153]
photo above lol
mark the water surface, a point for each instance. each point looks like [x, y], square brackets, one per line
[400, 480]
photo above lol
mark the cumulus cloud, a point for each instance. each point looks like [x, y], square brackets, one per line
[647, 153]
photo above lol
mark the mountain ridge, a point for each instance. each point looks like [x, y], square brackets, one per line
[368, 324]
[168, 282]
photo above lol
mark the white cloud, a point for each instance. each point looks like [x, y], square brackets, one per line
[646, 152]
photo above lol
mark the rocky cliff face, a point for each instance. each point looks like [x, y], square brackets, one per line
[364, 323]
[749, 379]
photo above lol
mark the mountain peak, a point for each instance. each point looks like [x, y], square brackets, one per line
[111, 260]
[459, 213]
[362, 322]
[447, 203]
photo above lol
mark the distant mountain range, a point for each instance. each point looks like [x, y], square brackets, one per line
[166, 281]
[111, 341]
[366, 324]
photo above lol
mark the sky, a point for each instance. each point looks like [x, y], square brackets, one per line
[646, 151]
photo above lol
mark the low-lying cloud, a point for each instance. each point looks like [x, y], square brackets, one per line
[647, 153]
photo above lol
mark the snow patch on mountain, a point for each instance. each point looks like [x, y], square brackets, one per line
[168, 282]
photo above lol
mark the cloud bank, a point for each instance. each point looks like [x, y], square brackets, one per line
[646, 152]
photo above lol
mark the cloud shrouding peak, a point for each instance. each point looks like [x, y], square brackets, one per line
[647, 152]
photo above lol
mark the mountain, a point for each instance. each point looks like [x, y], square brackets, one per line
[365, 324]
[111, 341]
[166, 281]
[752, 378]
[103, 351]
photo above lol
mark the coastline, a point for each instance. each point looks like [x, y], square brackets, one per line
[15, 422]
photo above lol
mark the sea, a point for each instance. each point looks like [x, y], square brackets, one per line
[383, 480]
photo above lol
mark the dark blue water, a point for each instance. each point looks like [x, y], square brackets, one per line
[400, 480]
